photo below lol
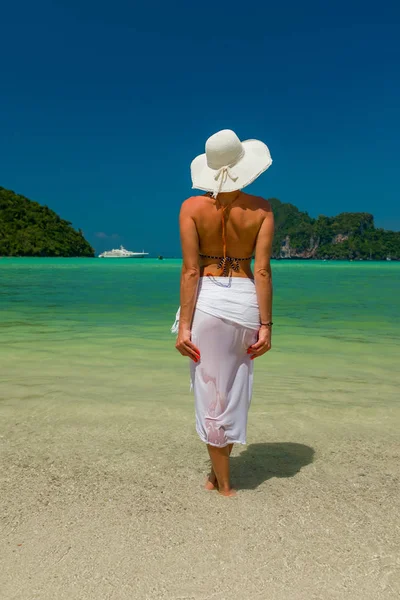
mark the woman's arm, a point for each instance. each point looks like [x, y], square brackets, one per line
[263, 282]
[189, 279]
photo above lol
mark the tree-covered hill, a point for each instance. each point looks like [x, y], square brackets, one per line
[346, 236]
[30, 229]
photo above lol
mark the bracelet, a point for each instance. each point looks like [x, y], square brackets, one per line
[267, 324]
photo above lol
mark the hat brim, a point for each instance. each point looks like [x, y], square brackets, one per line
[256, 159]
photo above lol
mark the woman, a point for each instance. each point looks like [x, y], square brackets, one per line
[225, 315]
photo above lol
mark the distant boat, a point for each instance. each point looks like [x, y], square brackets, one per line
[388, 257]
[122, 253]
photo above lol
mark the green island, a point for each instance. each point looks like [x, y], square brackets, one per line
[29, 229]
[348, 236]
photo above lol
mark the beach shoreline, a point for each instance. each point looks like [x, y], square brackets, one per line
[102, 472]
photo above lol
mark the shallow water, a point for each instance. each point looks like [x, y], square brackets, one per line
[336, 324]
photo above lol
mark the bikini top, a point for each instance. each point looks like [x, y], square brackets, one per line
[226, 263]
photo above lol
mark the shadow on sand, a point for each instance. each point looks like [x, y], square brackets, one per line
[259, 462]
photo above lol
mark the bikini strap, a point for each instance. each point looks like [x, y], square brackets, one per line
[228, 257]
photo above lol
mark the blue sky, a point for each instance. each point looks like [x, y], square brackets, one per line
[103, 105]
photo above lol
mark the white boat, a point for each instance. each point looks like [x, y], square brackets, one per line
[122, 253]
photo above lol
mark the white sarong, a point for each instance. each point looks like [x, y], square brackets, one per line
[225, 323]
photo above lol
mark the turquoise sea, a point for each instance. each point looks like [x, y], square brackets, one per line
[100, 330]
[336, 322]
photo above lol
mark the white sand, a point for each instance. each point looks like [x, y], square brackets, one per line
[102, 474]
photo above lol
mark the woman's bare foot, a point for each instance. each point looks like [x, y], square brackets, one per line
[230, 492]
[211, 482]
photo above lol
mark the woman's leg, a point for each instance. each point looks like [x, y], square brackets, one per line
[220, 463]
[212, 482]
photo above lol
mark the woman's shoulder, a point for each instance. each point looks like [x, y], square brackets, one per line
[257, 202]
[194, 202]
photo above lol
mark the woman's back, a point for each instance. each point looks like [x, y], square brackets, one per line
[241, 217]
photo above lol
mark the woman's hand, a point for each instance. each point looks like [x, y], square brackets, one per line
[263, 343]
[185, 346]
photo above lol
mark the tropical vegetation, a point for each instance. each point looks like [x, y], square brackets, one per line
[30, 229]
[346, 236]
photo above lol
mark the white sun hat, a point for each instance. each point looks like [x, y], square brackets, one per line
[229, 164]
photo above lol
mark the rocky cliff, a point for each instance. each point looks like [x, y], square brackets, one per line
[346, 236]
